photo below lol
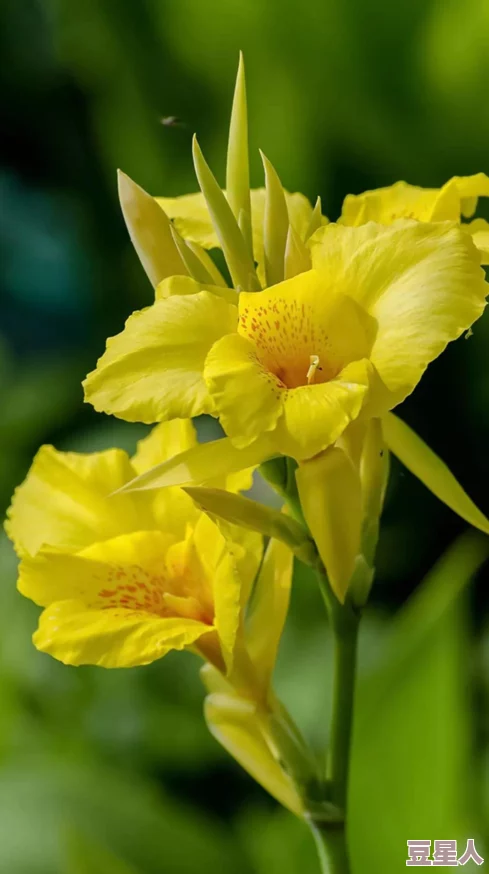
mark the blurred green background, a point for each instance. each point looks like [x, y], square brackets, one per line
[114, 772]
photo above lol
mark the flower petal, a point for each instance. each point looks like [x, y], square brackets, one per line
[63, 502]
[479, 231]
[269, 607]
[152, 371]
[163, 442]
[181, 285]
[193, 466]
[431, 470]
[315, 416]
[218, 556]
[422, 283]
[233, 722]
[386, 205]
[111, 638]
[331, 498]
[247, 396]
[98, 574]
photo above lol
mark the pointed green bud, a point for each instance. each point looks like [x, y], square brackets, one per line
[215, 274]
[194, 266]
[297, 255]
[275, 225]
[257, 517]
[237, 169]
[150, 232]
[238, 259]
[316, 219]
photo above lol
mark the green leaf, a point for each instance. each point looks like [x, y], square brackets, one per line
[237, 169]
[150, 231]
[239, 261]
[411, 763]
[257, 517]
[275, 224]
[431, 470]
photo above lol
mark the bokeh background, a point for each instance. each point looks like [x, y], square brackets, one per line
[114, 772]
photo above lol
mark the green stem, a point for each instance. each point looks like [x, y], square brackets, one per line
[344, 623]
[331, 836]
[331, 847]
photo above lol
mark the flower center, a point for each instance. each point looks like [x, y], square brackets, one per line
[132, 587]
[303, 342]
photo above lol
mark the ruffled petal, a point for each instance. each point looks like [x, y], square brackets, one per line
[100, 575]
[152, 371]
[479, 231]
[64, 503]
[247, 396]
[314, 416]
[421, 283]
[269, 607]
[220, 558]
[111, 638]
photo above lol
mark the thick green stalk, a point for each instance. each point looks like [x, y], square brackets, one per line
[331, 847]
[330, 836]
[344, 623]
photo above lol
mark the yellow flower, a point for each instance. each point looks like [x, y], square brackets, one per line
[296, 363]
[456, 199]
[124, 579]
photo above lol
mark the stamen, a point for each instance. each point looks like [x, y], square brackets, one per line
[314, 364]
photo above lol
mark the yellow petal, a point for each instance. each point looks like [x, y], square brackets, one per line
[421, 284]
[247, 396]
[152, 371]
[63, 502]
[111, 638]
[163, 442]
[331, 500]
[469, 189]
[233, 722]
[479, 230]
[315, 416]
[431, 470]
[218, 556]
[150, 232]
[105, 567]
[386, 205]
[193, 466]
[181, 285]
[297, 255]
[268, 609]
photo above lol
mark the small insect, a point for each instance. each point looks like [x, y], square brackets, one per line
[171, 121]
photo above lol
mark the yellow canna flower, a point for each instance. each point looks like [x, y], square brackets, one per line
[296, 363]
[124, 579]
[456, 199]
